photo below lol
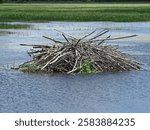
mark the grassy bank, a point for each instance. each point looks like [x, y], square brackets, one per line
[74, 12]
[13, 26]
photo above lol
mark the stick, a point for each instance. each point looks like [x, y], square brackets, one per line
[73, 38]
[65, 38]
[51, 62]
[101, 33]
[88, 34]
[38, 46]
[53, 40]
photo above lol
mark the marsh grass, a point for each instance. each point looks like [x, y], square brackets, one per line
[75, 12]
[14, 26]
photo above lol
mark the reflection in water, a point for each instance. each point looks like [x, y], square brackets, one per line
[105, 92]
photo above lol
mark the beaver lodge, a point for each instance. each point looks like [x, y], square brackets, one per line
[84, 55]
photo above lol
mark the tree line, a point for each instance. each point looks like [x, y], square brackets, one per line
[74, 1]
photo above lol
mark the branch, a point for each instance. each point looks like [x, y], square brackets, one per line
[53, 40]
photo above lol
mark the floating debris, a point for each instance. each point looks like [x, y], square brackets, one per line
[84, 55]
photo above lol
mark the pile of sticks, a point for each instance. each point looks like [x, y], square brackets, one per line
[70, 55]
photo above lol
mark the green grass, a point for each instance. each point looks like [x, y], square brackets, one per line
[14, 26]
[74, 12]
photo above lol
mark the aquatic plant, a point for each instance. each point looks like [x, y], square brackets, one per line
[87, 67]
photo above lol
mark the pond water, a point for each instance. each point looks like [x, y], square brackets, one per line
[104, 92]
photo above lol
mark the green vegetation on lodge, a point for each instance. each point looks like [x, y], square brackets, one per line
[87, 67]
[75, 12]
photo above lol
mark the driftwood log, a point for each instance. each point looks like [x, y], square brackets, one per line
[76, 55]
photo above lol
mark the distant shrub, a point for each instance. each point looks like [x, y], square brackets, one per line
[1, 1]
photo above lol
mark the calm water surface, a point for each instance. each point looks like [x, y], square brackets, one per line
[105, 92]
